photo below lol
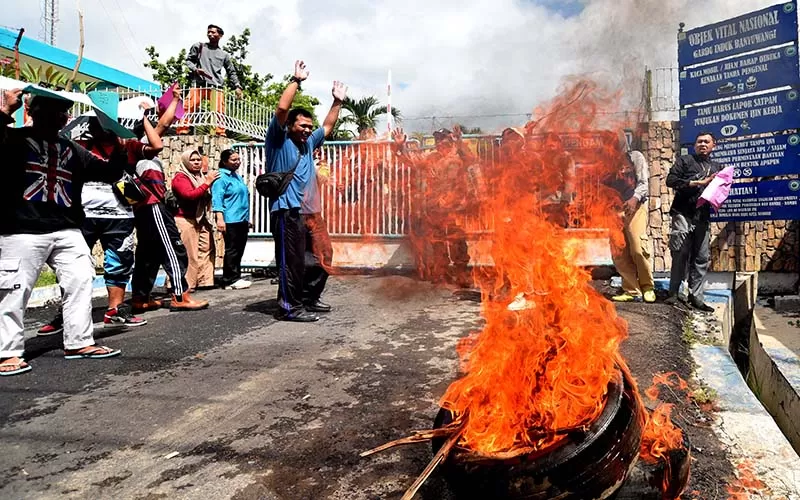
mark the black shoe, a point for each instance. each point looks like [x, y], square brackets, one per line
[700, 305]
[672, 300]
[318, 306]
[299, 316]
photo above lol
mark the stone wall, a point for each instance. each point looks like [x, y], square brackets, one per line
[755, 246]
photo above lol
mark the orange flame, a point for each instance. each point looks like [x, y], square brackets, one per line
[746, 484]
[545, 364]
[660, 435]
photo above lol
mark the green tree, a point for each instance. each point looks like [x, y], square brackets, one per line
[363, 114]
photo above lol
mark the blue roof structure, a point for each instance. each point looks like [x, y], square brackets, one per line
[34, 51]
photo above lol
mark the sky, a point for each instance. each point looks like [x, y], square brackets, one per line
[485, 63]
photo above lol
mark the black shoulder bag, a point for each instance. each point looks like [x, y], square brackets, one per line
[273, 184]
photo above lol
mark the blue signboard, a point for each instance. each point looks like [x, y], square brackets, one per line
[770, 200]
[759, 157]
[742, 116]
[766, 70]
[764, 28]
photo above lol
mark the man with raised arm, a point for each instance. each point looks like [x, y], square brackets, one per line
[290, 143]
[40, 203]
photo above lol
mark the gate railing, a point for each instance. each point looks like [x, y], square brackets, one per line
[369, 191]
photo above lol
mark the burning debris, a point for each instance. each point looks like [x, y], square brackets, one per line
[545, 406]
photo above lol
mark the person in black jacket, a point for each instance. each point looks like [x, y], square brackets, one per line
[40, 203]
[689, 231]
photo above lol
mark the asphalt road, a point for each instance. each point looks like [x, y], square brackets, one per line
[244, 406]
[229, 403]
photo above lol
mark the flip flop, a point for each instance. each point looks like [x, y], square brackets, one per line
[21, 367]
[96, 352]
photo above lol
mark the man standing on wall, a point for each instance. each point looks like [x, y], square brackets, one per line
[689, 232]
[290, 144]
[206, 62]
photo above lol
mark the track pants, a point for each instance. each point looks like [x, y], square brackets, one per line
[158, 243]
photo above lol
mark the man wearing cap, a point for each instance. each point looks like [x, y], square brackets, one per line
[206, 61]
[40, 200]
[447, 182]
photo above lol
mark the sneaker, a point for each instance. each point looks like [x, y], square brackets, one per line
[239, 285]
[55, 326]
[520, 303]
[122, 316]
[626, 297]
[649, 296]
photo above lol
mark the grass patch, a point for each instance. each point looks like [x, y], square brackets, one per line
[689, 336]
[704, 395]
[46, 278]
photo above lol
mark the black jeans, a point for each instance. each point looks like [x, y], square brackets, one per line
[235, 240]
[158, 243]
[289, 233]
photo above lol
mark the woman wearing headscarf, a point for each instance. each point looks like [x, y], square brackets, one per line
[192, 190]
[230, 202]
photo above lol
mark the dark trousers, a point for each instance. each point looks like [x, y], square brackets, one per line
[235, 241]
[318, 257]
[289, 233]
[158, 243]
[691, 254]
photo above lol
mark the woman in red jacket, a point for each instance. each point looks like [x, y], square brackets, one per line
[192, 190]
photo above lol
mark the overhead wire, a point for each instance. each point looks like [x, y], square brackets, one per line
[119, 35]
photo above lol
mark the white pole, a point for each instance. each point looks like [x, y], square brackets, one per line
[389, 102]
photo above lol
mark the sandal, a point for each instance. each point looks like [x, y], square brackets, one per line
[17, 367]
[91, 352]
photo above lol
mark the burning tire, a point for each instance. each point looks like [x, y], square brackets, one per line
[585, 465]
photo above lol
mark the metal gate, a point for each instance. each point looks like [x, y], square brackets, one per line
[368, 193]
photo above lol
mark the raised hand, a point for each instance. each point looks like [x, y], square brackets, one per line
[457, 133]
[399, 137]
[12, 101]
[300, 71]
[339, 91]
[176, 92]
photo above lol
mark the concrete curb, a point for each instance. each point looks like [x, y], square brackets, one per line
[42, 296]
[743, 424]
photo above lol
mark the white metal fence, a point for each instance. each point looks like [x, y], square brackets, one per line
[204, 107]
[664, 90]
[369, 192]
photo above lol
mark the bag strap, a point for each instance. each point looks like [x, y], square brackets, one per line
[144, 186]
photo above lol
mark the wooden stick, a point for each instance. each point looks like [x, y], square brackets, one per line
[437, 459]
[16, 53]
[68, 86]
[416, 437]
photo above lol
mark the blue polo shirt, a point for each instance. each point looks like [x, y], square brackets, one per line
[229, 195]
[282, 155]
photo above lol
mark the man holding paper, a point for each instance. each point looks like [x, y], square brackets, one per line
[689, 231]
[40, 199]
